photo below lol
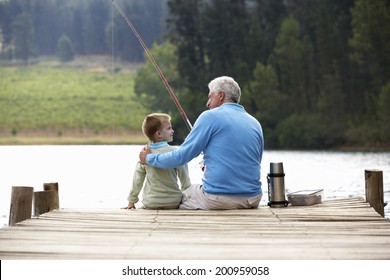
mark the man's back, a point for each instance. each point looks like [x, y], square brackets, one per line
[234, 151]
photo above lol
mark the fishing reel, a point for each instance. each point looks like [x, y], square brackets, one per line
[202, 165]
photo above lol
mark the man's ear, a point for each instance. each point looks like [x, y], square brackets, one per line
[221, 95]
[158, 133]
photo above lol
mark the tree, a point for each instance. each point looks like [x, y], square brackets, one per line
[65, 49]
[266, 16]
[294, 63]
[186, 32]
[224, 28]
[148, 85]
[265, 102]
[94, 28]
[369, 44]
[151, 91]
[47, 20]
[148, 17]
[186, 22]
[384, 113]
[370, 40]
[23, 35]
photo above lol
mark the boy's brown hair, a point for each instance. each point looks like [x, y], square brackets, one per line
[152, 123]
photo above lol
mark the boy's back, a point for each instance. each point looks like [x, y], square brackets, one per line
[161, 188]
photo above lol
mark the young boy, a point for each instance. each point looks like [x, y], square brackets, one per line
[160, 185]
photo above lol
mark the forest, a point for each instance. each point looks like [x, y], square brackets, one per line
[315, 73]
[30, 28]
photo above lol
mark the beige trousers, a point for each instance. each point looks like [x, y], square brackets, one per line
[195, 198]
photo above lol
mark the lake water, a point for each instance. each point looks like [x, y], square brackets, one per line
[100, 176]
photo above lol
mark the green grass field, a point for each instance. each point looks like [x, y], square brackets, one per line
[72, 103]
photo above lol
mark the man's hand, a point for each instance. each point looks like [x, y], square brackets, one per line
[144, 152]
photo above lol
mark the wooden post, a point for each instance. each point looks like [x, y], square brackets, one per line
[44, 201]
[53, 187]
[21, 204]
[374, 190]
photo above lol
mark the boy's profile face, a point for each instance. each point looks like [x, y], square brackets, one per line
[166, 132]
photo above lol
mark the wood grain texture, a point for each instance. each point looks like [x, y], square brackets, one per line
[339, 229]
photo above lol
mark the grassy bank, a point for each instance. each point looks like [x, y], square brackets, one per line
[81, 102]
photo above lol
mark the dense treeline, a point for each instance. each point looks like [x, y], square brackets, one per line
[31, 28]
[314, 72]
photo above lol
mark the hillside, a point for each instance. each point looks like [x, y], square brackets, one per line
[90, 100]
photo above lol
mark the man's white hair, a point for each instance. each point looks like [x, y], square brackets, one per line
[227, 85]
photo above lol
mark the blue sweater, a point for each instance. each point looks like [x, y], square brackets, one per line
[232, 143]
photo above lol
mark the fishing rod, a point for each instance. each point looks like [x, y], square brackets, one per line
[160, 73]
[151, 58]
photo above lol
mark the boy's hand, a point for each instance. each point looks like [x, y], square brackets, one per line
[130, 206]
[144, 152]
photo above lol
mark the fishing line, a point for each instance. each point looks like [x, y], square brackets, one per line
[112, 73]
[168, 87]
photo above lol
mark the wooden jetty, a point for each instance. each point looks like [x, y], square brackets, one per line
[335, 229]
[343, 229]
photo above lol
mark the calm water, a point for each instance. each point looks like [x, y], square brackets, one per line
[101, 176]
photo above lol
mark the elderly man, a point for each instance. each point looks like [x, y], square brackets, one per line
[232, 143]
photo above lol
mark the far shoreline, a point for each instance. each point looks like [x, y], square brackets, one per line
[134, 138]
[113, 138]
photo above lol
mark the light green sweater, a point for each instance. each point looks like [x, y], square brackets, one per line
[160, 185]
